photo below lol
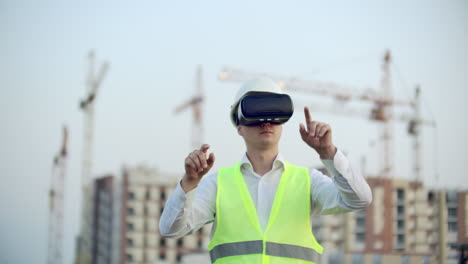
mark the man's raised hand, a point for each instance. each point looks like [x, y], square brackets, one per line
[197, 164]
[318, 136]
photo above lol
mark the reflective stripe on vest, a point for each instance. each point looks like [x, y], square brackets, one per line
[255, 247]
[236, 249]
[288, 237]
[291, 251]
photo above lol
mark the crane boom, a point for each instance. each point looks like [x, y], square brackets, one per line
[383, 103]
[331, 89]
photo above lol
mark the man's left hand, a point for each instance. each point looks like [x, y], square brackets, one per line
[318, 136]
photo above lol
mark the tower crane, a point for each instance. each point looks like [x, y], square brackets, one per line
[93, 83]
[196, 103]
[382, 101]
[56, 203]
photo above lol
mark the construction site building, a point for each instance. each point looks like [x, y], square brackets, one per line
[455, 219]
[144, 193]
[400, 226]
[105, 222]
[125, 220]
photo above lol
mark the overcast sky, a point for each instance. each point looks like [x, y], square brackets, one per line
[153, 48]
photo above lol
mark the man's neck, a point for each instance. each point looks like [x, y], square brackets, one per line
[262, 160]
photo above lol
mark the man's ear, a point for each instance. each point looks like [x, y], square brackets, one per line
[239, 130]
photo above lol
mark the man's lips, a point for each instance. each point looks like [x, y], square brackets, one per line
[266, 132]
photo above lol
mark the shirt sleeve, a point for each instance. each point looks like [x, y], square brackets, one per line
[185, 213]
[346, 190]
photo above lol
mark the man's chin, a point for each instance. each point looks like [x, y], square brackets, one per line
[267, 143]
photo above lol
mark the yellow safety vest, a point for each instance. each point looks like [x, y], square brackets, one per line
[288, 238]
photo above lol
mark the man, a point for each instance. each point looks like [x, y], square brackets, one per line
[261, 206]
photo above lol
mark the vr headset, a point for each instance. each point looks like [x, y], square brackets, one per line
[257, 108]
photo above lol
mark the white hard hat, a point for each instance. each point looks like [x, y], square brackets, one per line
[260, 85]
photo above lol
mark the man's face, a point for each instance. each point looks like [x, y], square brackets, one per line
[262, 136]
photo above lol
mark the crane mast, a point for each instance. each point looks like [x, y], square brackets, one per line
[87, 106]
[196, 103]
[56, 204]
[415, 131]
[387, 127]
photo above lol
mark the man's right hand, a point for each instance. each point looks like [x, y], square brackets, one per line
[197, 164]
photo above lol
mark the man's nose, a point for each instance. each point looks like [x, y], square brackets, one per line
[265, 124]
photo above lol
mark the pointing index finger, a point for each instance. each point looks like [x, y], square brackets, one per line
[308, 117]
[204, 148]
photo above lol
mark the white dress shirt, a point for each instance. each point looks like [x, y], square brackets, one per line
[344, 191]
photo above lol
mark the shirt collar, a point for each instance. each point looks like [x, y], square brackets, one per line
[278, 162]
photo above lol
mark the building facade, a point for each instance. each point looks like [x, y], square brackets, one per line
[144, 193]
[105, 221]
[405, 223]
